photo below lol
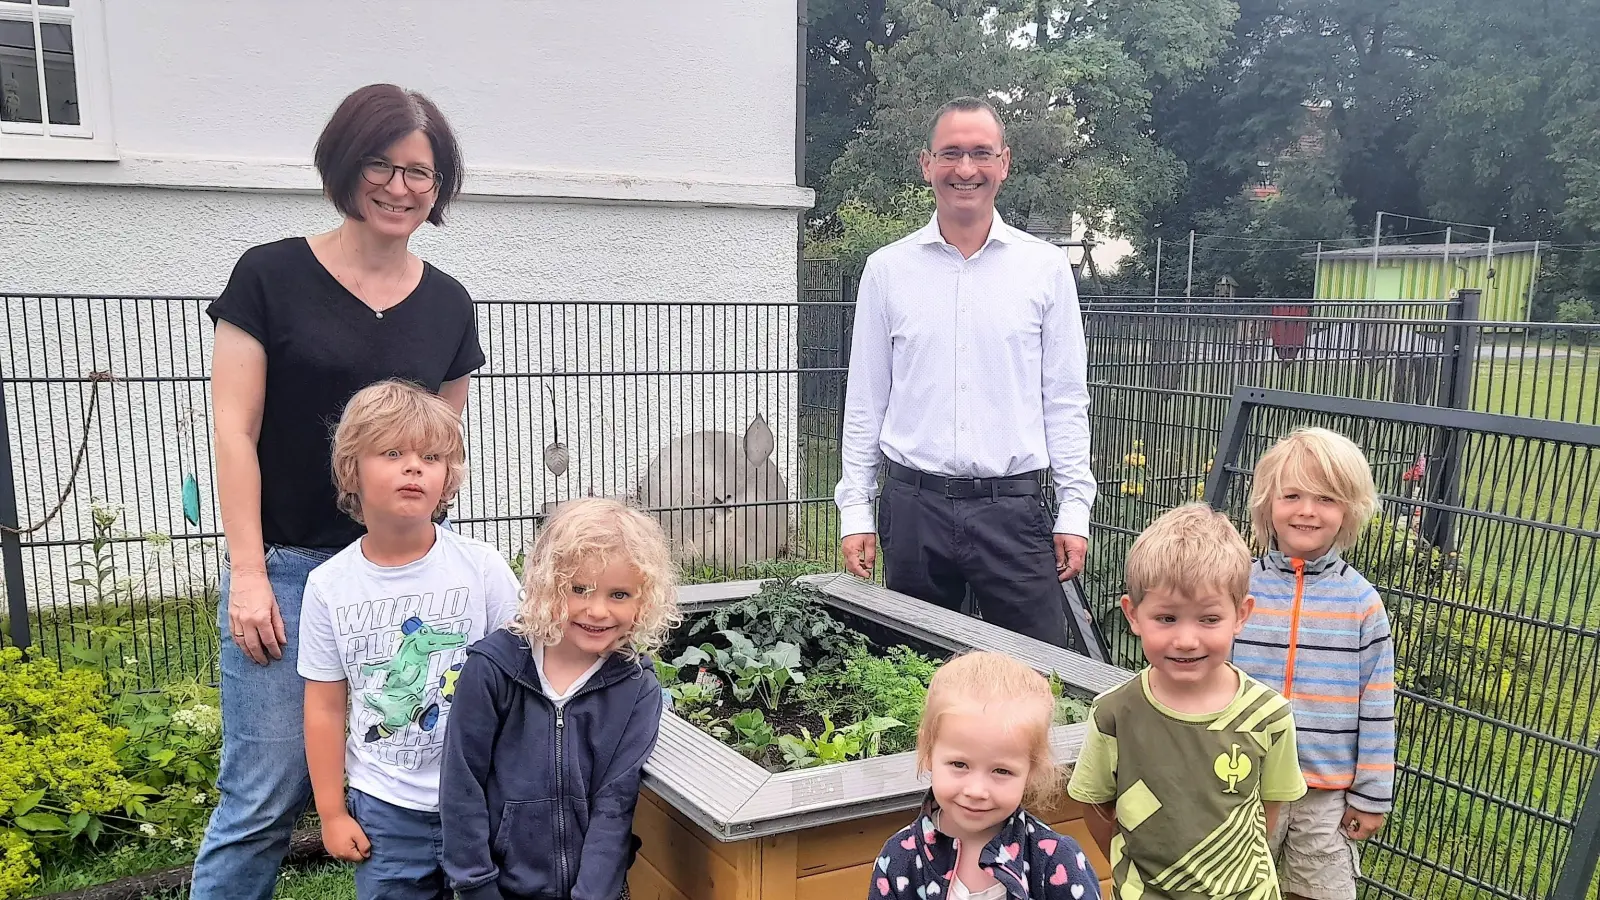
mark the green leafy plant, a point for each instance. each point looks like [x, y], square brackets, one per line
[1069, 710]
[173, 743]
[783, 612]
[753, 734]
[751, 671]
[1577, 311]
[59, 775]
[855, 741]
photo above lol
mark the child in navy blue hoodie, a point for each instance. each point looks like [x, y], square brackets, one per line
[556, 714]
[985, 741]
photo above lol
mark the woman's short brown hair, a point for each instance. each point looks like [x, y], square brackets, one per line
[369, 122]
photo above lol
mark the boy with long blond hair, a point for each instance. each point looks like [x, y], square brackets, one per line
[1320, 636]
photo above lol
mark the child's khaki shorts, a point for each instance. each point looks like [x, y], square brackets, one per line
[1314, 858]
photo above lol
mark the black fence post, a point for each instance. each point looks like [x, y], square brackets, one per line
[1438, 525]
[10, 540]
[1577, 873]
[1229, 444]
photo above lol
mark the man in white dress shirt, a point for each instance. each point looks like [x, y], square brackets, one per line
[967, 377]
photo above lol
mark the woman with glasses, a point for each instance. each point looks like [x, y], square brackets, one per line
[303, 324]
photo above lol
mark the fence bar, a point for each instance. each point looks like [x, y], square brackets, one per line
[10, 541]
[1438, 527]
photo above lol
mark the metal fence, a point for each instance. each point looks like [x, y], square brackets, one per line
[720, 417]
[1497, 642]
[670, 404]
[1161, 373]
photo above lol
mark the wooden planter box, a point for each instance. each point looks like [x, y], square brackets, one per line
[716, 826]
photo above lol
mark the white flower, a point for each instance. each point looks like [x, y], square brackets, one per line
[147, 830]
[129, 662]
[199, 799]
[203, 719]
[178, 842]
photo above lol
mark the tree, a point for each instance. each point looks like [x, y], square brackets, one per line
[1072, 82]
[1513, 111]
[861, 229]
[840, 81]
[1274, 235]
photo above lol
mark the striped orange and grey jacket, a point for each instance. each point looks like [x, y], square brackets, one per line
[1320, 636]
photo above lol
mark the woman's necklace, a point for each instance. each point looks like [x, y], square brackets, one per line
[361, 292]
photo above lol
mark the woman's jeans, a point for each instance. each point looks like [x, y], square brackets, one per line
[263, 783]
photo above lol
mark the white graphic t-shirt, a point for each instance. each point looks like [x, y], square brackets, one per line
[398, 636]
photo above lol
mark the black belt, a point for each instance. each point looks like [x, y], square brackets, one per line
[957, 488]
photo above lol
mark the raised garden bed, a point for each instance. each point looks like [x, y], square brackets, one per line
[765, 823]
[793, 683]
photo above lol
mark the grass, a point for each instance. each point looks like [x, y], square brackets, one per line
[326, 880]
[1563, 388]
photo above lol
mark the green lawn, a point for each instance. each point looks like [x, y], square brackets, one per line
[1558, 384]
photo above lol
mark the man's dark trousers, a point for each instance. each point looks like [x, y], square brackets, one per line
[941, 534]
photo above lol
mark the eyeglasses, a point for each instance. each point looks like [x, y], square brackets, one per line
[418, 178]
[981, 157]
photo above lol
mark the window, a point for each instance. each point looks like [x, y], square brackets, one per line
[52, 72]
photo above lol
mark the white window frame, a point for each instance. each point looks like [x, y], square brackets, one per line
[91, 139]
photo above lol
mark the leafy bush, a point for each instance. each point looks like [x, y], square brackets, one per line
[59, 772]
[782, 612]
[174, 737]
[85, 758]
[1577, 311]
[17, 864]
[861, 228]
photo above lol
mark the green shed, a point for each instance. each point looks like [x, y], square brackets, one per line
[1506, 274]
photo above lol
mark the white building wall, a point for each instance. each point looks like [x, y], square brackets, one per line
[623, 152]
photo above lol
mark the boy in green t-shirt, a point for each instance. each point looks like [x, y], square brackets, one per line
[1184, 766]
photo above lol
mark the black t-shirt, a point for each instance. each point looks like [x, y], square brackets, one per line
[323, 344]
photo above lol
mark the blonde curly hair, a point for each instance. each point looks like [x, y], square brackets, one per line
[595, 531]
[396, 413]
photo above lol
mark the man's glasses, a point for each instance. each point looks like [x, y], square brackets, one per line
[981, 157]
[418, 178]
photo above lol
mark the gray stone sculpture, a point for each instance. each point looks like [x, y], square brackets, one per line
[720, 497]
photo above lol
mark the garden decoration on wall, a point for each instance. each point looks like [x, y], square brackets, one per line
[722, 499]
